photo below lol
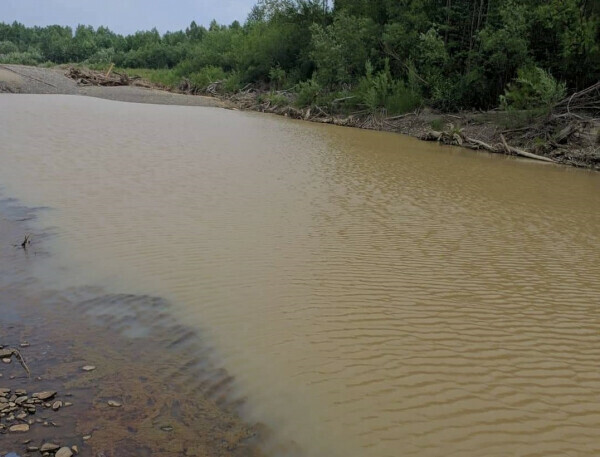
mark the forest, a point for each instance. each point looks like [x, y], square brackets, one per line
[375, 55]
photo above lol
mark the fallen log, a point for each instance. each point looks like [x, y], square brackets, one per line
[480, 144]
[520, 152]
[459, 139]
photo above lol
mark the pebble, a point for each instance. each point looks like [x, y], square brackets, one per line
[45, 395]
[49, 447]
[75, 449]
[6, 360]
[57, 405]
[87, 437]
[64, 452]
[114, 404]
[88, 368]
[19, 428]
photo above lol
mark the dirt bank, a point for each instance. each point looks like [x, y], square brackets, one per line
[119, 375]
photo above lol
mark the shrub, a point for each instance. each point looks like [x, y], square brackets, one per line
[307, 91]
[447, 94]
[533, 88]
[101, 57]
[208, 75]
[277, 76]
[8, 47]
[380, 92]
[233, 82]
[22, 58]
[276, 99]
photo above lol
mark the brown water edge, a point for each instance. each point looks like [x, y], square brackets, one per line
[175, 399]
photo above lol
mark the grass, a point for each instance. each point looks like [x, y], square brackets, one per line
[164, 77]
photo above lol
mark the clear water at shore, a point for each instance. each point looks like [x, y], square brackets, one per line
[369, 293]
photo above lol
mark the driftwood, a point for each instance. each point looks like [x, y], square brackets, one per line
[27, 241]
[213, 87]
[10, 352]
[454, 136]
[520, 152]
[110, 78]
[586, 103]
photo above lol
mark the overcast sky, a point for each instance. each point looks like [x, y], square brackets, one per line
[125, 16]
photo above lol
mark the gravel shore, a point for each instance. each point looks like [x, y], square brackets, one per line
[19, 79]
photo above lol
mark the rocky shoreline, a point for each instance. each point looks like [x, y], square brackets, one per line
[104, 375]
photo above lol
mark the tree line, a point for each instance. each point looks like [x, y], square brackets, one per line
[391, 55]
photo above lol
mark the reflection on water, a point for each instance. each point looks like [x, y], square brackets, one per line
[370, 294]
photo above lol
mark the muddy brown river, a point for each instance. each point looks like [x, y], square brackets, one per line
[370, 294]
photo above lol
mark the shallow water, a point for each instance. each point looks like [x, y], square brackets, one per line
[369, 293]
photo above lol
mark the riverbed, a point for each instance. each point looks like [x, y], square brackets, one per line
[367, 293]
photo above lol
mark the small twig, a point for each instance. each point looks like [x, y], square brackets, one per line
[26, 241]
[21, 360]
[393, 118]
[337, 100]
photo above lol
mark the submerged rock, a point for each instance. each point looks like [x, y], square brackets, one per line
[49, 447]
[46, 395]
[19, 428]
[64, 452]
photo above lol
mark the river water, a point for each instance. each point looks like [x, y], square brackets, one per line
[370, 294]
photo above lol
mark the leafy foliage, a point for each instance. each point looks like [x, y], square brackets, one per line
[380, 92]
[451, 54]
[533, 88]
[307, 92]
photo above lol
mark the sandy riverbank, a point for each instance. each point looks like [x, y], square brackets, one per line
[152, 389]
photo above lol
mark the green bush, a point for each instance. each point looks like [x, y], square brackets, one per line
[277, 77]
[8, 47]
[307, 92]
[233, 82]
[208, 75]
[102, 56]
[533, 88]
[276, 99]
[22, 58]
[447, 93]
[381, 93]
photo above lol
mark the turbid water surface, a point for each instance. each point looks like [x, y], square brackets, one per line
[370, 294]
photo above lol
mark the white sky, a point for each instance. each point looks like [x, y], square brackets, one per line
[125, 16]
